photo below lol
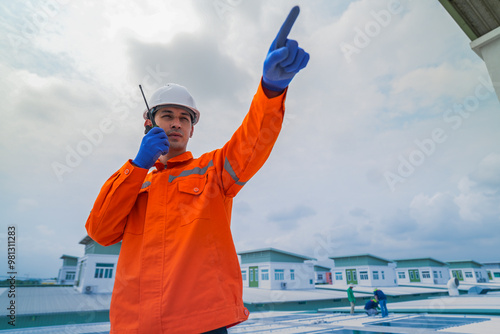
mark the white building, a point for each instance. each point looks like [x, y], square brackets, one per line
[322, 275]
[270, 268]
[68, 270]
[363, 270]
[97, 268]
[422, 270]
[493, 271]
[468, 271]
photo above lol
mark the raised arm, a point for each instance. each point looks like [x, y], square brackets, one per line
[252, 143]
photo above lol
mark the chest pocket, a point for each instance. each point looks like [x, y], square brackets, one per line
[194, 203]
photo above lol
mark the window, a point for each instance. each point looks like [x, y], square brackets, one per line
[338, 275]
[468, 274]
[435, 273]
[363, 275]
[426, 274]
[292, 274]
[375, 275]
[411, 275]
[244, 275]
[497, 275]
[383, 275]
[70, 275]
[401, 275]
[103, 270]
[417, 275]
[279, 274]
[348, 276]
[265, 274]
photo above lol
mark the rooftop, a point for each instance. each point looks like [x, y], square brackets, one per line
[433, 311]
[275, 250]
[476, 18]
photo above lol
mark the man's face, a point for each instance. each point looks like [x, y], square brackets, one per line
[176, 122]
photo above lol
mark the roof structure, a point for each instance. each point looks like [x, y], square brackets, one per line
[476, 18]
[271, 255]
[92, 247]
[419, 262]
[87, 240]
[321, 268]
[464, 264]
[359, 260]
[58, 310]
[69, 260]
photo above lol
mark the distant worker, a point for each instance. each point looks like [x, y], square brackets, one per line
[351, 298]
[371, 307]
[382, 299]
[178, 271]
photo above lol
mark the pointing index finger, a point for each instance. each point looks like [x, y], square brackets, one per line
[286, 27]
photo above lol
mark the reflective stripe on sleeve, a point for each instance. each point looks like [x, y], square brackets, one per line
[230, 170]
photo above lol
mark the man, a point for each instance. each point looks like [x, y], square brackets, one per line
[382, 299]
[178, 271]
[371, 307]
[350, 297]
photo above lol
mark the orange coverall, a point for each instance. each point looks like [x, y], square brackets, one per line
[178, 271]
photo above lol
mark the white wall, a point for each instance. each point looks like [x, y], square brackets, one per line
[436, 275]
[303, 275]
[61, 278]
[317, 279]
[98, 285]
[488, 48]
[386, 276]
[443, 275]
[472, 275]
[493, 273]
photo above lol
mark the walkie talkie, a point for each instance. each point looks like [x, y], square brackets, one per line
[150, 115]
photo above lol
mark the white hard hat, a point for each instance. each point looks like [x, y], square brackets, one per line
[176, 95]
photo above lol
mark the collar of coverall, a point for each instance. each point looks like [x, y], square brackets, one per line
[175, 161]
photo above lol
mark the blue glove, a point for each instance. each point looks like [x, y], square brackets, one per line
[154, 144]
[285, 58]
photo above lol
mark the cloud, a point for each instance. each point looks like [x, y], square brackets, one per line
[479, 198]
[292, 215]
[322, 191]
[27, 204]
[487, 173]
[359, 212]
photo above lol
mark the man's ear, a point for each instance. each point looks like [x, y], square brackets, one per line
[192, 131]
[147, 126]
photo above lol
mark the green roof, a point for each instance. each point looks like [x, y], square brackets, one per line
[464, 264]
[321, 268]
[422, 262]
[69, 260]
[271, 255]
[359, 260]
[92, 247]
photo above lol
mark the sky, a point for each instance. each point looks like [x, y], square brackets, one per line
[389, 144]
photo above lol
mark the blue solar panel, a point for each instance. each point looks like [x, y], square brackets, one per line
[428, 322]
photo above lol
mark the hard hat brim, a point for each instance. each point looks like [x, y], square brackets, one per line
[195, 114]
